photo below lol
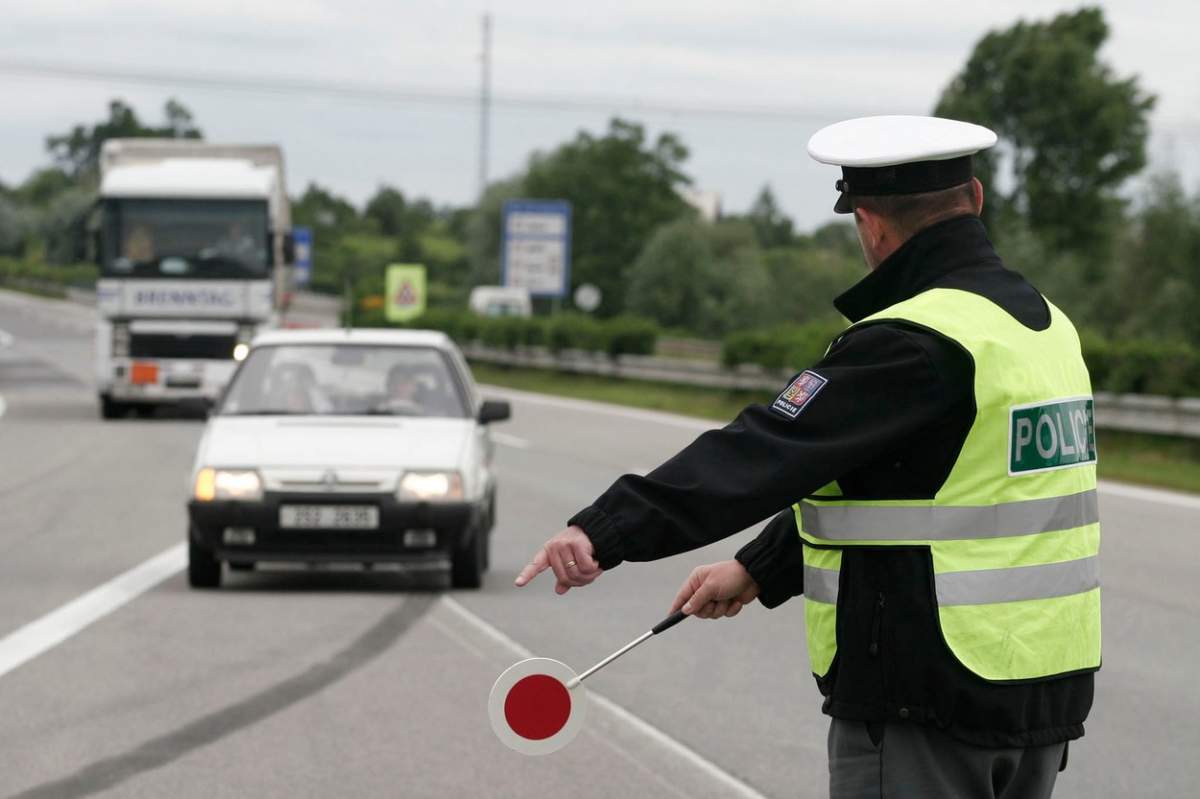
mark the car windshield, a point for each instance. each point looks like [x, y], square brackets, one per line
[344, 380]
[185, 238]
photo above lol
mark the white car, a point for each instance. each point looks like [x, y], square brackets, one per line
[348, 446]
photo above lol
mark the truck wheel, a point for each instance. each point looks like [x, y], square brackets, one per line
[204, 570]
[466, 570]
[110, 408]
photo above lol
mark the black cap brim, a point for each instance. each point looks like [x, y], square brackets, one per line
[843, 204]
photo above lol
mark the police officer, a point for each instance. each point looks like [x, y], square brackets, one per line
[939, 462]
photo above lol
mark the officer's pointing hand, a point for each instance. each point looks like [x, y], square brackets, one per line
[570, 555]
[716, 590]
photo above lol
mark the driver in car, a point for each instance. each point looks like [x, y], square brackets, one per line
[294, 389]
[404, 388]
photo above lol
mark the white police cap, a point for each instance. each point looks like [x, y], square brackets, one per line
[888, 155]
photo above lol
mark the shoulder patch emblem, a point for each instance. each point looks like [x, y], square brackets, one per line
[801, 392]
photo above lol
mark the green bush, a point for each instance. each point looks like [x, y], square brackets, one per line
[1142, 366]
[504, 332]
[574, 332]
[767, 348]
[630, 335]
[44, 278]
[784, 346]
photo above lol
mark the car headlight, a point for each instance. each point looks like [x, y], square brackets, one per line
[120, 340]
[240, 351]
[238, 484]
[430, 487]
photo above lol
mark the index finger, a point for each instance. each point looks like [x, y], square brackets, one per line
[689, 587]
[534, 568]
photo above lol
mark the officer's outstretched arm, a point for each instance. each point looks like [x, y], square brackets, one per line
[571, 555]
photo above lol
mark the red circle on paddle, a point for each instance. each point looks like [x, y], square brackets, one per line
[537, 707]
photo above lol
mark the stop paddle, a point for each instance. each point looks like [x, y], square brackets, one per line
[537, 706]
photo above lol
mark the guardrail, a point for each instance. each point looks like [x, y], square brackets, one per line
[1133, 412]
[1136, 413]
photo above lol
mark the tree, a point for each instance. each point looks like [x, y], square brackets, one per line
[43, 186]
[707, 279]
[321, 209]
[483, 230]
[771, 226]
[77, 152]
[1071, 131]
[64, 226]
[1159, 279]
[621, 187]
[12, 227]
[406, 221]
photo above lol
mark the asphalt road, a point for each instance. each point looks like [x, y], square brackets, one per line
[328, 684]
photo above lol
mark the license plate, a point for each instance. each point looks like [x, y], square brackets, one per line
[329, 517]
[143, 374]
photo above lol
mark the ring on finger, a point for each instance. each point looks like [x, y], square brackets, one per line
[569, 563]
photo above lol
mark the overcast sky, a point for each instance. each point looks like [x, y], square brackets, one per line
[822, 61]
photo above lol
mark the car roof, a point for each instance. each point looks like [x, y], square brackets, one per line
[377, 336]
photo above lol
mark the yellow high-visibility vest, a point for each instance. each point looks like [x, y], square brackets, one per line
[1014, 532]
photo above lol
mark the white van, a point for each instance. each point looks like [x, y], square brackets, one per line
[500, 301]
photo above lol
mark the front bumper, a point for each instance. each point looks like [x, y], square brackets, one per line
[453, 525]
[174, 380]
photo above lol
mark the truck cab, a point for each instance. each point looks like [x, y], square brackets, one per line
[192, 239]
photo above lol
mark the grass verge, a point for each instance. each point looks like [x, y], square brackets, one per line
[1163, 461]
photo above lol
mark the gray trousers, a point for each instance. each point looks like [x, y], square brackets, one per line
[912, 760]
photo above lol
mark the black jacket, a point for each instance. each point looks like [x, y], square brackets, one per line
[888, 423]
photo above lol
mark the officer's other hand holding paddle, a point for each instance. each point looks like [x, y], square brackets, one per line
[716, 590]
[570, 555]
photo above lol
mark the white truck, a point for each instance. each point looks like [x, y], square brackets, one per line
[194, 245]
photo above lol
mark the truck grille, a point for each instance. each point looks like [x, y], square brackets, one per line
[171, 345]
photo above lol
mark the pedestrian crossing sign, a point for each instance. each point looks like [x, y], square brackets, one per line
[404, 292]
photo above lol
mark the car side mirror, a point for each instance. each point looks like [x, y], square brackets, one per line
[494, 411]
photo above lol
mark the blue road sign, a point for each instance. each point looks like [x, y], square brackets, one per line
[302, 240]
[535, 248]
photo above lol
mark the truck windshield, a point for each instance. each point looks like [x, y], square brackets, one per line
[185, 238]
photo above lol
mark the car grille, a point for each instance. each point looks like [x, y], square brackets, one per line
[172, 345]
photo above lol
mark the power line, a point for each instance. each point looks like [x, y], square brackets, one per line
[396, 95]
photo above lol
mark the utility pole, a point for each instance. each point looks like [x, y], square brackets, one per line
[485, 103]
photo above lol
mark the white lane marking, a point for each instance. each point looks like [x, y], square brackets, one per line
[628, 757]
[510, 441]
[26, 643]
[658, 417]
[1158, 496]
[735, 786]
[6, 339]
[3, 407]
[455, 637]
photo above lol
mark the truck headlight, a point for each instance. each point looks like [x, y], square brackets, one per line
[430, 487]
[245, 334]
[120, 340]
[237, 484]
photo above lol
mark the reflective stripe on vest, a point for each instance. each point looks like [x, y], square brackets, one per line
[900, 522]
[985, 586]
[1013, 533]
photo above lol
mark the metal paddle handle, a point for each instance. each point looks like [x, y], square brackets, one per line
[662, 626]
